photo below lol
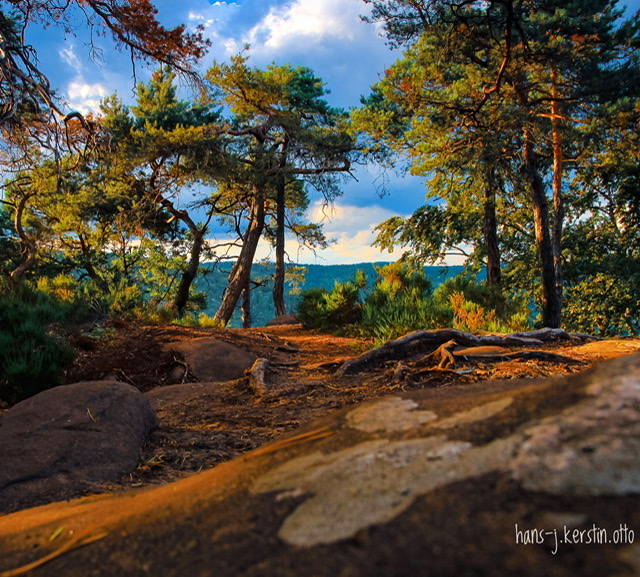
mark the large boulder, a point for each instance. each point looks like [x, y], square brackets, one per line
[210, 359]
[509, 478]
[69, 440]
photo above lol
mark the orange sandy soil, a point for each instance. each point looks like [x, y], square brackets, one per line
[205, 425]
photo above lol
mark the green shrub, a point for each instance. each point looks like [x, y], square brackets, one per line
[480, 293]
[329, 310]
[30, 359]
[402, 300]
[199, 321]
[479, 307]
[603, 305]
[402, 315]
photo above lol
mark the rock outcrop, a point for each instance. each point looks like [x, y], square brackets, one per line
[509, 478]
[70, 440]
[209, 359]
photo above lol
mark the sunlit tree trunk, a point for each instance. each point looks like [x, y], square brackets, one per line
[490, 233]
[558, 202]
[551, 305]
[241, 271]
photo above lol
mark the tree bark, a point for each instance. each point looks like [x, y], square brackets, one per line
[189, 275]
[241, 271]
[425, 342]
[246, 305]
[281, 199]
[551, 306]
[490, 233]
[558, 200]
[29, 249]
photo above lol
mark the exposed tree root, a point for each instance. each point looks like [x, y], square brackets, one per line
[441, 343]
[80, 540]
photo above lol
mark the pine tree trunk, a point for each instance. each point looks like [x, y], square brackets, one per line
[551, 306]
[189, 275]
[490, 233]
[246, 305]
[558, 201]
[281, 199]
[241, 271]
[278, 284]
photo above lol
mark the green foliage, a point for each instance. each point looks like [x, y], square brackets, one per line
[322, 309]
[31, 359]
[605, 305]
[485, 102]
[395, 318]
[9, 249]
[199, 321]
[481, 294]
[401, 300]
[478, 306]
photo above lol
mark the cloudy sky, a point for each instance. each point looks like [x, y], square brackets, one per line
[328, 36]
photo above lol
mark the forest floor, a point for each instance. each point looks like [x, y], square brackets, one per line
[202, 425]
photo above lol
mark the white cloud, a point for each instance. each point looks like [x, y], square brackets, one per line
[352, 228]
[85, 97]
[70, 58]
[303, 24]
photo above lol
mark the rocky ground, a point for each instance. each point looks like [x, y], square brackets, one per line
[201, 427]
[442, 453]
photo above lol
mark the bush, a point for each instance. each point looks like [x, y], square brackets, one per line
[329, 310]
[395, 318]
[30, 359]
[603, 305]
[200, 321]
[477, 306]
[402, 300]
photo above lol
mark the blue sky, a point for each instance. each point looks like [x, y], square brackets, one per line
[326, 35]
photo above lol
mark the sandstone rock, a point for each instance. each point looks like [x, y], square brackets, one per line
[283, 320]
[509, 478]
[68, 440]
[210, 359]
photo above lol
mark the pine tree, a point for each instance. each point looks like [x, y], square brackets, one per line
[524, 71]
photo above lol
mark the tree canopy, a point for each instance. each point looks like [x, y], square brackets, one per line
[25, 90]
[496, 101]
[521, 117]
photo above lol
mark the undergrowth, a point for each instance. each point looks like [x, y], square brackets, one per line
[402, 300]
[31, 355]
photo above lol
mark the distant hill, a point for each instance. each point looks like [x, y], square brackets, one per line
[317, 276]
